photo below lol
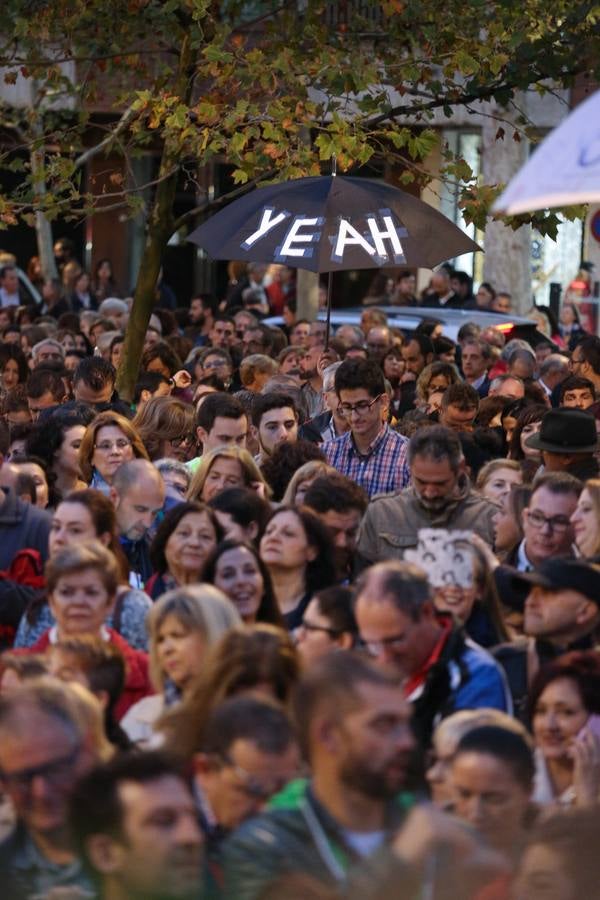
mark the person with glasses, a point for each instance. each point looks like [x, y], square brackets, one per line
[585, 360]
[442, 669]
[328, 624]
[108, 442]
[167, 428]
[43, 750]
[370, 453]
[547, 530]
[246, 754]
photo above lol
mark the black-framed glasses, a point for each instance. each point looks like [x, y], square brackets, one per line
[554, 523]
[360, 408]
[56, 772]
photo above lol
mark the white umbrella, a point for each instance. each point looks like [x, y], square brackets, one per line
[564, 170]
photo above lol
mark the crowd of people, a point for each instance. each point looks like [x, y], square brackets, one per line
[299, 621]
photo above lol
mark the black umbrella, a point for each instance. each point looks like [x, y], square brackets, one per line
[332, 224]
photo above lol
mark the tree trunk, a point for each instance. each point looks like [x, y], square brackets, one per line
[307, 292]
[43, 229]
[507, 260]
[160, 229]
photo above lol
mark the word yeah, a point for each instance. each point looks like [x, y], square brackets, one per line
[301, 237]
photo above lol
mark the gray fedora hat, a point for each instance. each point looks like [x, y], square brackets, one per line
[566, 431]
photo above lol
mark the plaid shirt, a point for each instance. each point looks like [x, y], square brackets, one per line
[382, 470]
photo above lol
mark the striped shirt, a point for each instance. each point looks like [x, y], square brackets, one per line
[383, 469]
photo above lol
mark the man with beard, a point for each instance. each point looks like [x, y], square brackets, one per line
[201, 318]
[440, 496]
[350, 826]
[340, 504]
[442, 670]
[135, 822]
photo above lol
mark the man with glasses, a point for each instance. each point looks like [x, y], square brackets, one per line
[138, 495]
[442, 670]
[370, 453]
[44, 748]
[547, 529]
[247, 753]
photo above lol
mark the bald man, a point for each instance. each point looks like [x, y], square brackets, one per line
[138, 495]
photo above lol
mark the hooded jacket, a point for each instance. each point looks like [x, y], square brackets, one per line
[392, 522]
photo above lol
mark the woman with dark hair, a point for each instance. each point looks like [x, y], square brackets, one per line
[529, 422]
[13, 366]
[167, 427]
[57, 442]
[83, 516]
[241, 513]
[161, 358]
[491, 782]
[279, 468]
[236, 569]
[184, 540]
[299, 553]
[103, 283]
[564, 709]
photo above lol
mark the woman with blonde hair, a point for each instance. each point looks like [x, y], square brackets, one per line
[586, 520]
[183, 625]
[226, 467]
[437, 376]
[496, 478]
[302, 479]
[167, 427]
[258, 659]
[108, 442]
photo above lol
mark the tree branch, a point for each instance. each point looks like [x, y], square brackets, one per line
[223, 200]
[128, 116]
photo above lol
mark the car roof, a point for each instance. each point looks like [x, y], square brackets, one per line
[407, 318]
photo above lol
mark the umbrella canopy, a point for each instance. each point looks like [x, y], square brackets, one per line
[564, 170]
[330, 224]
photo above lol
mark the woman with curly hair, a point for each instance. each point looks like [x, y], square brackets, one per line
[167, 427]
[13, 366]
[437, 376]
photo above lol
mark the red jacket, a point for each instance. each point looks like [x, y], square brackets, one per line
[137, 679]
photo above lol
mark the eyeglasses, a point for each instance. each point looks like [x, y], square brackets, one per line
[251, 785]
[188, 439]
[309, 626]
[107, 446]
[375, 648]
[57, 772]
[360, 408]
[554, 523]
[576, 362]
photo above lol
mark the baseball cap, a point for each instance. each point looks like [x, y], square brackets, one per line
[565, 574]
